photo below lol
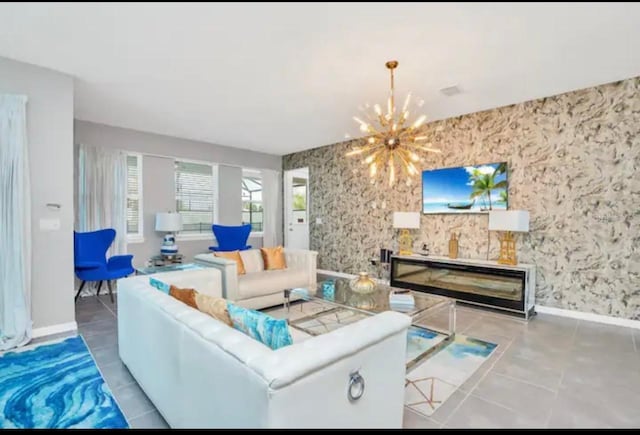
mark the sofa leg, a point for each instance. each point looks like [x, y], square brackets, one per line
[110, 292]
[79, 290]
[99, 287]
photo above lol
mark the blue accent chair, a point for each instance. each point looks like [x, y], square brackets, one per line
[90, 259]
[231, 238]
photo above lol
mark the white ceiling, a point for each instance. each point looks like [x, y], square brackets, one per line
[280, 78]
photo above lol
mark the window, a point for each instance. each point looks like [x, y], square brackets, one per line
[134, 197]
[252, 211]
[196, 196]
[299, 200]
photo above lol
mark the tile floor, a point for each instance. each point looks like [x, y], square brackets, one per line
[552, 372]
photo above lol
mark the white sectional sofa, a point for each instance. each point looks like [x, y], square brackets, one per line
[201, 373]
[260, 288]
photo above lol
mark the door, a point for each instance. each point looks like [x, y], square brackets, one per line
[296, 216]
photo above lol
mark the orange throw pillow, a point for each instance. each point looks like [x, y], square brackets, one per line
[273, 258]
[184, 295]
[215, 307]
[233, 255]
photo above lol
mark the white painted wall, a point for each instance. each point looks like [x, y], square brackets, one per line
[229, 195]
[158, 179]
[50, 137]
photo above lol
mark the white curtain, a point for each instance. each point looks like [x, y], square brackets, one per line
[15, 224]
[102, 193]
[271, 190]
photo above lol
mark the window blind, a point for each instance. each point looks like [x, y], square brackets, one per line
[133, 194]
[196, 194]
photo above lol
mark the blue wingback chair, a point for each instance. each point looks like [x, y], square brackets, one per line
[90, 259]
[231, 238]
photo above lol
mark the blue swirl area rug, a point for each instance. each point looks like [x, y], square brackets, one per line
[55, 386]
[433, 381]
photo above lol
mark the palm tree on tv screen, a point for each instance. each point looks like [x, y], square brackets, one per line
[483, 184]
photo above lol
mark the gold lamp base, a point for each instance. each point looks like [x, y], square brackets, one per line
[405, 243]
[507, 249]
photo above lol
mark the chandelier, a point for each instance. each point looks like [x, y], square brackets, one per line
[391, 140]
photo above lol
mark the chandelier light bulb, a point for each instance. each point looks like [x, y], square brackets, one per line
[419, 121]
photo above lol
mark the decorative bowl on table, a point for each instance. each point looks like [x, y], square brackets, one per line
[363, 284]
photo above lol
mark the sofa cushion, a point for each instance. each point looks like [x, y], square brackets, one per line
[211, 305]
[273, 258]
[184, 295]
[298, 336]
[270, 281]
[160, 285]
[235, 256]
[252, 259]
[260, 326]
[207, 280]
[215, 307]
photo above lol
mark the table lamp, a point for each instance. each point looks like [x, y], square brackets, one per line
[508, 222]
[169, 223]
[405, 220]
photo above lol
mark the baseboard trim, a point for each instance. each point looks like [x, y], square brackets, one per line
[54, 329]
[580, 315]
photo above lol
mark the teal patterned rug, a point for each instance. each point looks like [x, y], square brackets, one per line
[56, 386]
[429, 384]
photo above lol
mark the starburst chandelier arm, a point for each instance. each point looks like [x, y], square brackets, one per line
[373, 156]
[417, 123]
[392, 171]
[403, 119]
[420, 138]
[420, 146]
[378, 118]
[411, 155]
[405, 106]
[356, 151]
[403, 165]
[405, 159]
[424, 148]
[364, 149]
[366, 127]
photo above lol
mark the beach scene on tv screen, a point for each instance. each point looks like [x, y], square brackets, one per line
[467, 189]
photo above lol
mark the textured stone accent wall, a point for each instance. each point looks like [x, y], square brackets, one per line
[574, 163]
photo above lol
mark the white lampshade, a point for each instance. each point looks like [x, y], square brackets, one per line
[168, 222]
[406, 219]
[511, 220]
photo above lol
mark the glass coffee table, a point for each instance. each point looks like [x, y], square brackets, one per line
[148, 270]
[433, 317]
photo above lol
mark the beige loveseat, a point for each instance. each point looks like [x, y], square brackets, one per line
[259, 288]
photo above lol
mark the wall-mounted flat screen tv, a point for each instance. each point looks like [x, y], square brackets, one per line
[467, 189]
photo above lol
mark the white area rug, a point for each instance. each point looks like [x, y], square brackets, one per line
[429, 383]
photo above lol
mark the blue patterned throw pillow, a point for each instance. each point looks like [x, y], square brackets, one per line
[162, 286]
[260, 326]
